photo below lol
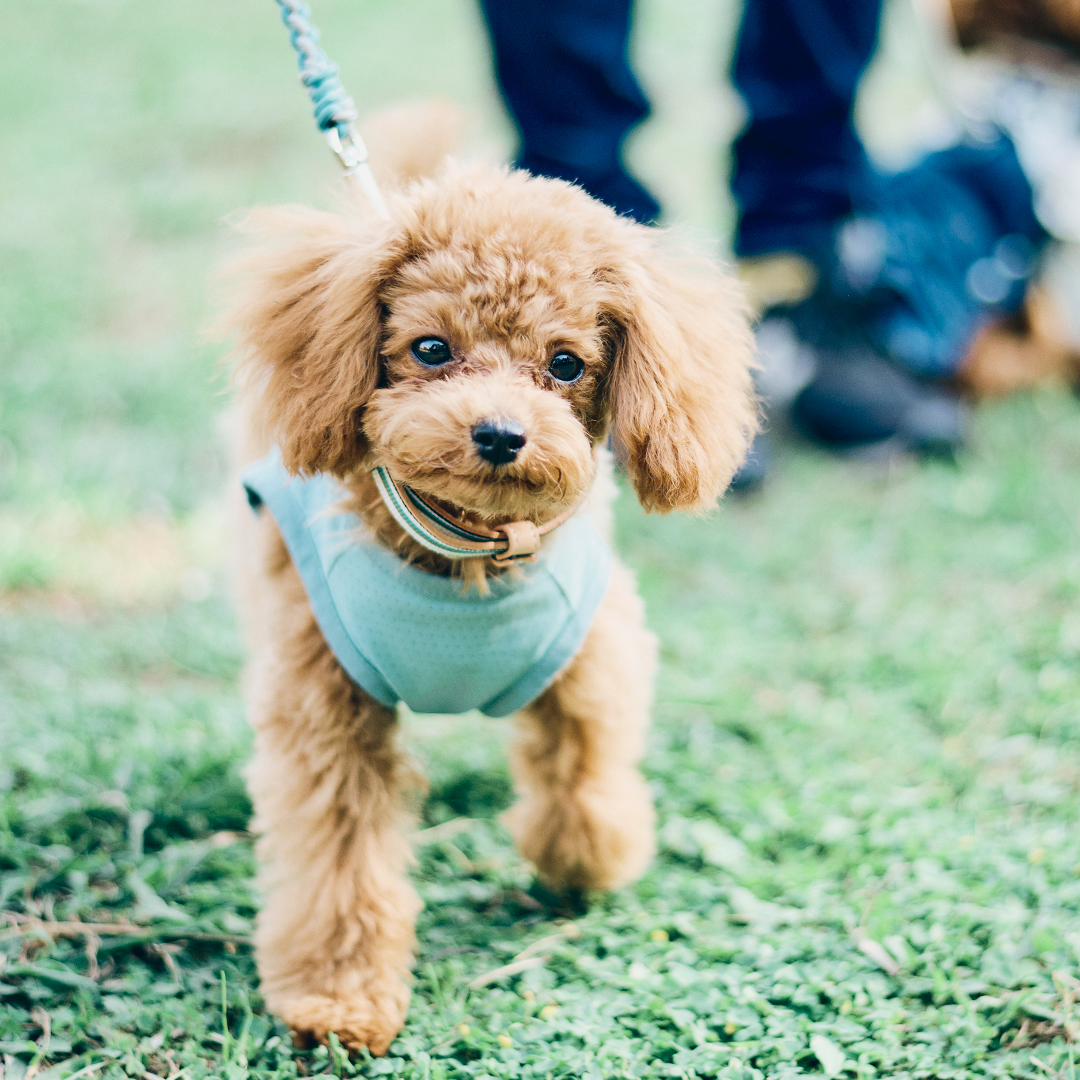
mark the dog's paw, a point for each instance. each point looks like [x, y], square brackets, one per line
[358, 1022]
[599, 836]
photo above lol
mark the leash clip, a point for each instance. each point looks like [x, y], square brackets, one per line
[350, 150]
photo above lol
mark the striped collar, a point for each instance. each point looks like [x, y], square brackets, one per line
[450, 536]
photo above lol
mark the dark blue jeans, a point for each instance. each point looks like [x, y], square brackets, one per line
[563, 69]
[799, 165]
[564, 73]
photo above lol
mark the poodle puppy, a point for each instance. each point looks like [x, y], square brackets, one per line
[472, 356]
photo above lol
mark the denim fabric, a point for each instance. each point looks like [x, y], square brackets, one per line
[945, 247]
[564, 72]
[799, 163]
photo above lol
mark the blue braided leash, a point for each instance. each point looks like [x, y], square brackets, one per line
[334, 109]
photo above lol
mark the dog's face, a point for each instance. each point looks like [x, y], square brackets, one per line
[494, 366]
[482, 342]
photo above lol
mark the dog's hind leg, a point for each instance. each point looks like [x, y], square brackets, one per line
[585, 817]
[335, 938]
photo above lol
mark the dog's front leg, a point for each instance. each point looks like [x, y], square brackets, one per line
[585, 817]
[335, 938]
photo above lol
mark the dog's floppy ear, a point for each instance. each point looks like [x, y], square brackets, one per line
[682, 398]
[308, 321]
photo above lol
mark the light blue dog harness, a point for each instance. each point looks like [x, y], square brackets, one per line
[405, 635]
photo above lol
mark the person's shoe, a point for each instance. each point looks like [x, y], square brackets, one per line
[857, 398]
[935, 425]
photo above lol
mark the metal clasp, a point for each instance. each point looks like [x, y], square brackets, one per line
[352, 153]
[350, 149]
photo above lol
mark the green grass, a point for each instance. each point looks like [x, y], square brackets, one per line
[868, 728]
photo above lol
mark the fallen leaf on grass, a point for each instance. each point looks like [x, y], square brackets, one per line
[527, 958]
[762, 915]
[515, 967]
[875, 951]
[830, 1055]
[444, 831]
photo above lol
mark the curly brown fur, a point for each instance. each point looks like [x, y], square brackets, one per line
[1054, 22]
[585, 817]
[1032, 346]
[509, 270]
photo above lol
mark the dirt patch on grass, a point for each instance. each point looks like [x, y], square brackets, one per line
[64, 552]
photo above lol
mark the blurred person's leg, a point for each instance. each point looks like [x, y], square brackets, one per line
[799, 162]
[801, 175]
[564, 72]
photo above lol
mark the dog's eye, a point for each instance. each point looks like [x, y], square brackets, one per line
[566, 367]
[431, 351]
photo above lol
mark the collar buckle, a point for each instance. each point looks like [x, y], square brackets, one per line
[523, 541]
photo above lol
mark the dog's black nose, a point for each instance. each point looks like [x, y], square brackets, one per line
[499, 441]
